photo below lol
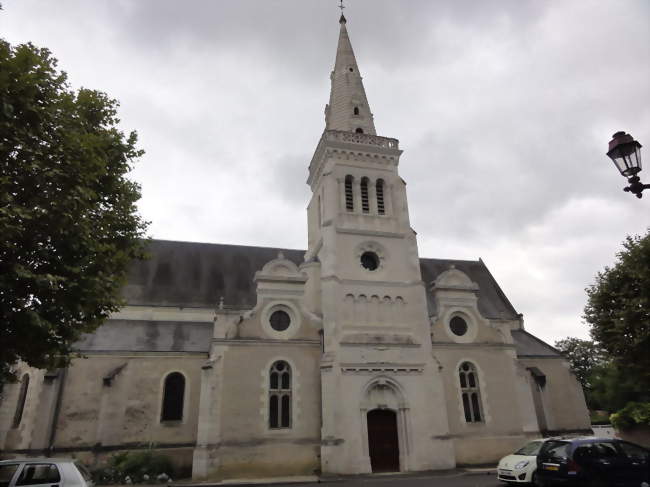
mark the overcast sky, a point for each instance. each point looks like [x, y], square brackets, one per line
[503, 109]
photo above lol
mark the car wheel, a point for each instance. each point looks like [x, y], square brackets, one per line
[535, 481]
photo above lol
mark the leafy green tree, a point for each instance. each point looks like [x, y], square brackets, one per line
[68, 221]
[618, 310]
[583, 355]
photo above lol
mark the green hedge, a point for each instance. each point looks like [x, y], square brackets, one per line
[633, 414]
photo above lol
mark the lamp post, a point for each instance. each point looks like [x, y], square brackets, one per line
[626, 154]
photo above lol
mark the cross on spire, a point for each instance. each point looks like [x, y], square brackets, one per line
[341, 6]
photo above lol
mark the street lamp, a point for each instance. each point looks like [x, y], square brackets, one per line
[626, 154]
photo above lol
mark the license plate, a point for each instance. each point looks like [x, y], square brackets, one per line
[505, 472]
[551, 467]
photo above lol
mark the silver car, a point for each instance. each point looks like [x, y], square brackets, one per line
[44, 472]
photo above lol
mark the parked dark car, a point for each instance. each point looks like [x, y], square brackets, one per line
[601, 462]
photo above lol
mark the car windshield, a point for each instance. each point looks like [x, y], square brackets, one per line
[556, 450]
[530, 449]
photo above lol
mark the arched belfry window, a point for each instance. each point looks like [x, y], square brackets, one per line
[365, 203]
[470, 392]
[356, 110]
[173, 397]
[359, 130]
[280, 395]
[379, 187]
[349, 199]
[22, 397]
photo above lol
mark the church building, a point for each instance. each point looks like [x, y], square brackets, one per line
[355, 355]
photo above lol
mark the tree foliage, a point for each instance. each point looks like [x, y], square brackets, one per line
[583, 355]
[618, 310]
[68, 216]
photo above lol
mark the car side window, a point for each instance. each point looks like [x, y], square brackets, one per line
[584, 453]
[39, 473]
[7, 473]
[634, 452]
[605, 450]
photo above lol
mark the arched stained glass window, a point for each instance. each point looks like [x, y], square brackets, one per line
[349, 198]
[379, 187]
[22, 397]
[365, 203]
[470, 392]
[280, 395]
[173, 397]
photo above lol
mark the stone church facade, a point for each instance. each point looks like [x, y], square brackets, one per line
[353, 356]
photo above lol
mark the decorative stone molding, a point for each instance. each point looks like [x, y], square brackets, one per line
[382, 367]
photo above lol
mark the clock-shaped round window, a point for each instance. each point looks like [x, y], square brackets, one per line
[458, 326]
[280, 320]
[370, 261]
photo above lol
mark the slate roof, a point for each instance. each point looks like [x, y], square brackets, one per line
[528, 345]
[190, 274]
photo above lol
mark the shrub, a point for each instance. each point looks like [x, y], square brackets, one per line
[633, 414]
[134, 465]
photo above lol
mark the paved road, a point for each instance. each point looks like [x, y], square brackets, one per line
[452, 480]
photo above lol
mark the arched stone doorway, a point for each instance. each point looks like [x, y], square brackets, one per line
[385, 431]
[383, 441]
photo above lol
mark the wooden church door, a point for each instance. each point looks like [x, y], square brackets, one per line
[383, 443]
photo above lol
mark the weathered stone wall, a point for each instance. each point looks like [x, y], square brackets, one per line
[562, 397]
[240, 442]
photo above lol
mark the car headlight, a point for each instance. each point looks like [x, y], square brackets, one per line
[521, 464]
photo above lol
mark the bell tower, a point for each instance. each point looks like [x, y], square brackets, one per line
[364, 277]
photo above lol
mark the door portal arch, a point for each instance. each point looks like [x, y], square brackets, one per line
[384, 417]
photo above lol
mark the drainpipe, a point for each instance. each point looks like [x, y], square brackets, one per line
[57, 410]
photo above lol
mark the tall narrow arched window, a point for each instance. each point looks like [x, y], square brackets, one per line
[365, 203]
[22, 397]
[173, 397]
[349, 198]
[379, 187]
[470, 392]
[356, 110]
[280, 395]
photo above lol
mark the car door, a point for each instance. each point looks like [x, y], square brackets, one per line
[39, 475]
[638, 462]
[608, 463]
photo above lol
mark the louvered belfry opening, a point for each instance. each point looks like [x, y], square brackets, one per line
[173, 397]
[280, 395]
[365, 202]
[379, 189]
[349, 198]
[470, 393]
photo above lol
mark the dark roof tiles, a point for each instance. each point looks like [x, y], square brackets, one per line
[189, 274]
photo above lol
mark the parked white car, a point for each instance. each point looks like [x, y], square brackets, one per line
[520, 466]
[44, 472]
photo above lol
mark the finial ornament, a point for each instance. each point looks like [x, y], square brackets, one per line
[342, 19]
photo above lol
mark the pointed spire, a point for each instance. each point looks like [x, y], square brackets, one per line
[348, 108]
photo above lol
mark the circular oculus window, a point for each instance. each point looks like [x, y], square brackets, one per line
[458, 326]
[280, 320]
[370, 261]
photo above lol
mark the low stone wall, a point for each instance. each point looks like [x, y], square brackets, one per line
[639, 435]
